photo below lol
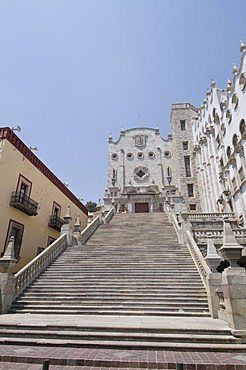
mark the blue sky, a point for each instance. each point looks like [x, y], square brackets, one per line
[74, 71]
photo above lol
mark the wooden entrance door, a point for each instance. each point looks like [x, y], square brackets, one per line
[141, 207]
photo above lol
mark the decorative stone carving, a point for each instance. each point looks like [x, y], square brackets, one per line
[230, 250]
[140, 140]
[212, 258]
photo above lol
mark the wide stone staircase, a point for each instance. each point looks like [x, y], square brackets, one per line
[132, 266]
[135, 276]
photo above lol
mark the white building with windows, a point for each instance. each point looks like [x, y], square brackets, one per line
[200, 167]
[219, 136]
[145, 170]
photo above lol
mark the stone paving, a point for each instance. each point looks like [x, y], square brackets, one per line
[22, 357]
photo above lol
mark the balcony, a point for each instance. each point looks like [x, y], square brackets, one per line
[24, 203]
[55, 222]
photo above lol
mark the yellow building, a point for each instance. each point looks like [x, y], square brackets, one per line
[33, 200]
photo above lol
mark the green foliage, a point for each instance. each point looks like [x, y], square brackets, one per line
[91, 206]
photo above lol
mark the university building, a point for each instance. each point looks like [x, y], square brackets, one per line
[33, 200]
[200, 167]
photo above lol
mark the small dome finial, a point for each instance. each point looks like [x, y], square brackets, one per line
[213, 84]
[242, 47]
[234, 68]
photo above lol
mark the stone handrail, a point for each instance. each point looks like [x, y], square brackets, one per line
[109, 216]
[90, 229]
[177, 228]
[198, 258]
[208, 216]
[217, 235]
[29, 272]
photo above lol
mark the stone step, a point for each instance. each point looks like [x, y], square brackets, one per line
[109, 311]
[115, 295]
[97, 285]
[95, 335]
[73, 300]
[50, 305]
[124, 345]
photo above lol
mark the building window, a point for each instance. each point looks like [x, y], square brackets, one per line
[140, 173]
[167, 154]
[192, 207]
[221, 163]
[55, 221]
[129, 156]
[114, 156]
[40, 250]
[24, 187]
[114, 174]
[187, 166]
[15, 229]
[228, 151]
[234, 183]
[50, 240]
[190, 188]
[56, 210]
[241, 174]
[218, 141]
[182, 125]
[20, 198]
[242, 127]
[185, 145]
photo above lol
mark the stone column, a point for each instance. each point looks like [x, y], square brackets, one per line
[234, 283]
[185, 226]
[213, 280]
[77, 230]
[7, 280]
[66, 227]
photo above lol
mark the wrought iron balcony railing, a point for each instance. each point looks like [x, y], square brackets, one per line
[55, 222]
[24, 203]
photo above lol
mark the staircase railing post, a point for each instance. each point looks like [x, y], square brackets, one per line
[77, 231]
[234, 283]
[185, 226]
[213, 280]
[66, 227]
[7, 280]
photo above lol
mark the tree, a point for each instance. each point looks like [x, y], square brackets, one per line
[91, 206]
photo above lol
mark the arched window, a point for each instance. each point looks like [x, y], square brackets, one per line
[242, 127]
[235, 140]
[228, 116]
[234, 101]
[242, 81]
[228, 151]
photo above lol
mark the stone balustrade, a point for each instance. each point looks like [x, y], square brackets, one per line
[198, 258]
[90, 229]
[177, 228]
[109, 215]
[206, 216]
[29, 272]
[201, 236]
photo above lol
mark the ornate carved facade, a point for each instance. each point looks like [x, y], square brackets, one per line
[199, 167]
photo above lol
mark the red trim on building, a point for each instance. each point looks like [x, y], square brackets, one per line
[25, 180]
[11, 222]
[7, 133]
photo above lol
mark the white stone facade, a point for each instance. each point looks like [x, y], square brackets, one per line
[145, 170]
[204, 167]
[219, 137]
